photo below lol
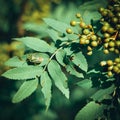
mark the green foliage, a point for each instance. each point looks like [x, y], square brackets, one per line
[92, 111]
[58, 77]
[22, 73]
[46, 88]
[86, 83]
[35, 44]
[25, 90]
[79, 60]
[57, 25]
[59, 62]
[16, 62]
[103, 93]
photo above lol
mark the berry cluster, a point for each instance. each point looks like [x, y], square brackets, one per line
[111, 35]
[113, 66]
[87, 37]
[111, 27]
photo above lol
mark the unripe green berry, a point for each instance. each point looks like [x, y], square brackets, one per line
[106, 51]
[114, 20]
[110, 14]
[117, 26]
[106, 45]
[86, 31]
[93, 37]
[104, 28]
[109, 62]
[106, 35]
[89, 53]
[111, 30]
[110, 73]
[117, 60]
[117, 51]
[82, 41]
[110, 68]
[107, 40]
[89, 48]
[94, 43]
[104, 13]
[111, 44]
[101, 9]
[106, 24]
[115, 69]
[103, 63]
[111, 49]
[87, 41]
[83, 25]
[117, 43]
[69, 31]
[78, 15]
[118, 65]
[73, 23]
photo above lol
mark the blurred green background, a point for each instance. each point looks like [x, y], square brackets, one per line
[21, 18]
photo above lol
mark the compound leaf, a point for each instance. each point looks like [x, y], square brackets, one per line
[91, 111]
[46, 88]
[36, 44]
[58, 77]
[25, 90]
[80, 60]
[22, 73]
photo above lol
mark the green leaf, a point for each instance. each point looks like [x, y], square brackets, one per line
[57, 25]
[46, 88]
[59, 77]
[86, 83]
[90, 112]
[89, 10]
[72, 36]
[36, 44]
[23, 73]
[80, 60]
[16, 62]
[71, 70]
[37, 28]
[60, 55]
[53, 34]
[103, 93]
[25, 90]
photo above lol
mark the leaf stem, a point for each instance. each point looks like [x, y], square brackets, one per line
[51, 58]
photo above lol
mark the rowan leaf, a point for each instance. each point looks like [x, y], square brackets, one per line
[103, 93]
[25, 90]
[71, 70]
[46, 88]
[36, 44]
[60, 55]
[58, 77]
[22, 73]
[80, 60]
[91, 111]
[58, 25]
[86, 83]
[16, 62]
